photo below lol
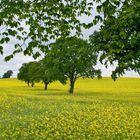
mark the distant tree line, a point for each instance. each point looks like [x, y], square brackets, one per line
[7, 74]
[68, 59]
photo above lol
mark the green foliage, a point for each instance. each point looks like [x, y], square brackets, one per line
[23, 73]
[47, 20]
[119, 39]
[33, 68]
[74, 58]
[42, 70]
[10, 23]
[27, 73]
[68, 58]
[47, 73]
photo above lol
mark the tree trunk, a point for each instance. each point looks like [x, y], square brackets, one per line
[32, 83]
[28, 83]
[46, 86]
[72, 82]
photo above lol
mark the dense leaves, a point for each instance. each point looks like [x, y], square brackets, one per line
[74, 58]
[27, 73]
[23, 75]
[47, 73]
[68, 59]
[35, 23]
[40, 71]
[10, 24]
[119, 39]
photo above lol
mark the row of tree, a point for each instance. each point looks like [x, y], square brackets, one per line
[117, 40]
[68, 59]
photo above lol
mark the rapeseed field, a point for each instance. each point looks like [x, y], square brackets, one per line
[99, 110]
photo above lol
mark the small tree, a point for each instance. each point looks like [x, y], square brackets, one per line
[33, 72]
[8, 74]
[73, 58]
[47, 73]
[27, 73]
[23, 73]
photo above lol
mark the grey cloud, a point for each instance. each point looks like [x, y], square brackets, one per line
[13, 64]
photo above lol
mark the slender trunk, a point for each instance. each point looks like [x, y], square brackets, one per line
[28, 83]
[32, 83]
[72, 82]
[46, 85]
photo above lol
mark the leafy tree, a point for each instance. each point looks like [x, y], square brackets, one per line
[119, 39]
[73, 58]
[23, 73]
[33, 72]
[10, 23]
[47, 20]
[27, 73]
[47, 73]
[42, 70]
[8, 74]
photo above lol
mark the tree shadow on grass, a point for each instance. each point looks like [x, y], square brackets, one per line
[93, 93]
[60, 92]
[54, 92]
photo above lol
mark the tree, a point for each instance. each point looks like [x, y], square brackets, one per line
[73, 58]
[8, 74]
[27, 73]
[23, 73]
[42, 70]
[33, 72]
[119, 39]
[47, 73]
[47, 20]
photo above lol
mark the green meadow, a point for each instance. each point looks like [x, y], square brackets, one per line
[98, 110]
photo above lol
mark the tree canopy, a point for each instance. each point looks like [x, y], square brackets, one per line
[34, 23]
[68, 59]
[45, 20]
[47, 73]
[119, 39]
[74, 58]
[41, 71]
[27, 73]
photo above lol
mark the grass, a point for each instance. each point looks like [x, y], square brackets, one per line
[99, 109]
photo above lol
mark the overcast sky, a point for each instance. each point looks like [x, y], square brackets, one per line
[19, 59]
